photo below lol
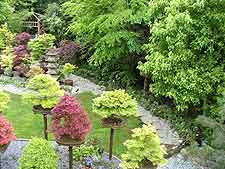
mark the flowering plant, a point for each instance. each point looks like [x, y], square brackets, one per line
[23, 38]
[6, 132]
[115, 103]
[4, 100]
[46, 91]
[69, 118]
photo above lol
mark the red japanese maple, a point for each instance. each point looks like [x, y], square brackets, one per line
[70, 119]
[6, 131]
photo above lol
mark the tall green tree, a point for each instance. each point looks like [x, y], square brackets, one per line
[186, 50]
[111, 29]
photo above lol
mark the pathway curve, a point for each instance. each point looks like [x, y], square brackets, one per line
[167, 134]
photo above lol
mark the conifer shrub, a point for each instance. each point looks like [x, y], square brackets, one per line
[46, 91]
[70, 119]
[144, 146]
[6, 132]
[115, 103]
[38, 154]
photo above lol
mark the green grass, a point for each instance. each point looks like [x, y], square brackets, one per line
[27, 125]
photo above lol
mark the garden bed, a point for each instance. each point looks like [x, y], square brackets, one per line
[9, 160]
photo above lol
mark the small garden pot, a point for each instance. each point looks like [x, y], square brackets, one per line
[68, 141]
[4, 147]
[68, 82]
[113, 122]
[41, 110]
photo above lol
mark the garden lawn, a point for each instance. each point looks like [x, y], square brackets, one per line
[27, 125]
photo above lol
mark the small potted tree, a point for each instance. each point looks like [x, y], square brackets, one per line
[113, 107]
[38, 154]
[6, 134]
[143, 150]
[70, 124]
[45, 93]
[4, 100]
[65, 72]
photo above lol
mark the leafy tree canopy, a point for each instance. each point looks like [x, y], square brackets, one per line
[112, 29]
[186, 49]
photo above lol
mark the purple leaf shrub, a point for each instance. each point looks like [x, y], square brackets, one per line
[23, 38]
[69, 118]
[20, 52]
[68, 51]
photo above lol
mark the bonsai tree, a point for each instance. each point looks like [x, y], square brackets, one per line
[38, 154]
[4, 100]
[6, 133]
[67, 70]
[70, 119]
[46, 91]
[115, 104]
[144, 147]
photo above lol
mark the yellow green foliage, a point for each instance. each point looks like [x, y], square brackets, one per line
[4, 100]
[35, 70]
[117, 103]
[6, 37]
[45, 91]
[144, 145]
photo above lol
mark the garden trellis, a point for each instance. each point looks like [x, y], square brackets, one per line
[34, 21]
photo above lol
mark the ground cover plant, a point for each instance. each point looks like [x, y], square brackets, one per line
[20, 112]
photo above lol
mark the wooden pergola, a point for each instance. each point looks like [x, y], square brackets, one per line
[34, 21]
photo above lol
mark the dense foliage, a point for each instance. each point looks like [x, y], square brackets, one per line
[4, 100]
[53, 21]
[40, 45]
[115, 103]
[70, 119]
[34, 70]
[186, 50]
[38, 154]
[112, 28]
[6, 131]
[67, 69]
[45, 91]
[6, 37]
[20, 54]
[69, 51]
[23, 38]
[144, 145]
